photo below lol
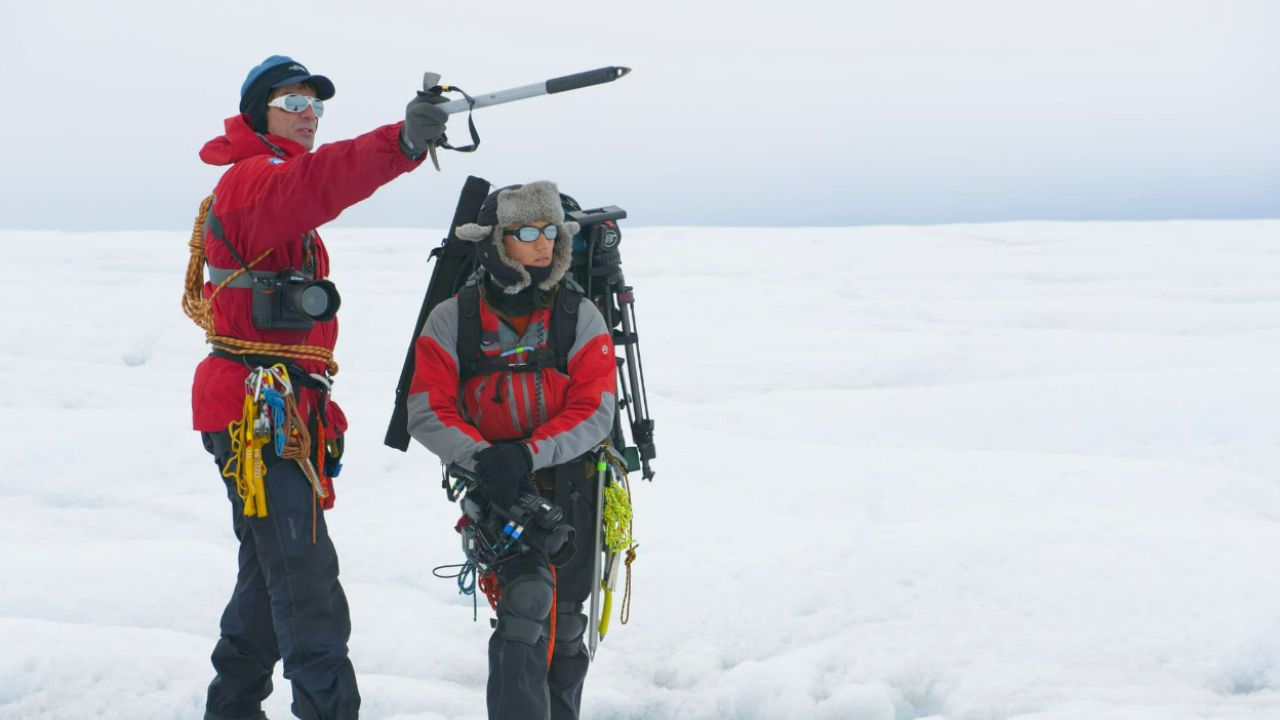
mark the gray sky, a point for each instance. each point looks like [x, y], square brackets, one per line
[804, 113]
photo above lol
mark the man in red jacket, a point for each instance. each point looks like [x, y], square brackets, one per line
[287, 601]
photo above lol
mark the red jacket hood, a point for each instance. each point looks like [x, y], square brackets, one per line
[240, 142]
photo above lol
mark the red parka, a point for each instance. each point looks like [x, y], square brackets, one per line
[558, 416]
[274, 195]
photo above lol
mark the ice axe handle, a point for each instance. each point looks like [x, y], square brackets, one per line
[585, 79]
[542, 87]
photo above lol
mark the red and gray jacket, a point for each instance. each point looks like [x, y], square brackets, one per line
[272, 198]
[559, 416]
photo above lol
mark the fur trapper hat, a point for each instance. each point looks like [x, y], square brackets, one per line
[511, 206]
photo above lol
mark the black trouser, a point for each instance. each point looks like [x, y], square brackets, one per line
[287, 604]
[521, 685]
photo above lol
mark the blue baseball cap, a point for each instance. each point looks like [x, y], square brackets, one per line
[276, 71]
[280, 70]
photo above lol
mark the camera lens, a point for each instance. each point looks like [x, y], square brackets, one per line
[318, 300]
[313, 301]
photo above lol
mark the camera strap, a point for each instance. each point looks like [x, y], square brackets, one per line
[214, 225]
[243, 280]
[218, 275]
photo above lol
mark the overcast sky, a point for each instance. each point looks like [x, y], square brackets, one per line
[805, 113]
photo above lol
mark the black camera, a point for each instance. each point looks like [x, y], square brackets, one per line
[532, 521]
[539, 525]
[291, 300]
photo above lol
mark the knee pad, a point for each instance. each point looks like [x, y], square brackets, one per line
[524, 609]
[570, 627]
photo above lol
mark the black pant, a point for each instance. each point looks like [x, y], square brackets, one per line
[521, 684]
[287, 604]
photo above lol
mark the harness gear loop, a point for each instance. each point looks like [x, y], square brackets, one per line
[297, 438]
[270, 417]
[200, 309]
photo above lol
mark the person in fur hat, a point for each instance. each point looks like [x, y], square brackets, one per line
[523, 426]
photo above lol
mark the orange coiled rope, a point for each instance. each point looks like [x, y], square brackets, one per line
[200, 309]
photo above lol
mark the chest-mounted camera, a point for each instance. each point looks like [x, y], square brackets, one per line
[292, 300]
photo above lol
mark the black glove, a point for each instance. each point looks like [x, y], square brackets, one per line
[423, 124]
[504, 471]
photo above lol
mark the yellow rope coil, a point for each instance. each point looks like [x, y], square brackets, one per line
[200, 309]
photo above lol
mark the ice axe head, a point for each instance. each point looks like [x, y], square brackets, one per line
[430, 80]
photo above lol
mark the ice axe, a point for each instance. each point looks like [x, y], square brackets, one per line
[431, 86]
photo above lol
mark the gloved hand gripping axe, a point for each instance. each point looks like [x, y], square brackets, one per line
[433, 92]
